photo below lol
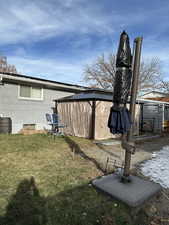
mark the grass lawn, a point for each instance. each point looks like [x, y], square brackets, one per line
[59, 192]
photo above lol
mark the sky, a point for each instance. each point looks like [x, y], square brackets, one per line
[55, 39]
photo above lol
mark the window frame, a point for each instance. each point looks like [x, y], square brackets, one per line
[30, 98]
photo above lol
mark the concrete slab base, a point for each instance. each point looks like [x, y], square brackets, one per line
[133, 193]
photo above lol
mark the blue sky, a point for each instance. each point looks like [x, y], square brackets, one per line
[55, 39]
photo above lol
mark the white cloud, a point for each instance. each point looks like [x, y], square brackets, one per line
[27, 21]
[153, 47]
[24, 21]
[48, 69]
[32, 21]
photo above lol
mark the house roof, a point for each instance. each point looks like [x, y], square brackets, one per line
[161, 99]
[19, 78]
[158, 92]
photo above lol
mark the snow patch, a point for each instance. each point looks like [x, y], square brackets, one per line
[157, 168]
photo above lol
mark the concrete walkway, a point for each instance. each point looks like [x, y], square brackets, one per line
[114, 155]
[100, 152]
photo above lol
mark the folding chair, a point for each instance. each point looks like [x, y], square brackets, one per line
[55, 123]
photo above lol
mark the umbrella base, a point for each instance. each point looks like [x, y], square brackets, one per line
[133, 193]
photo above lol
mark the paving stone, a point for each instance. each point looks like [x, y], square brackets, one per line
[133, 193]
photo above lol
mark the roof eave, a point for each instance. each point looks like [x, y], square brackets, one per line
[45, 83]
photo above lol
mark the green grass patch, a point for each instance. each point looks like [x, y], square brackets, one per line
[40, 184]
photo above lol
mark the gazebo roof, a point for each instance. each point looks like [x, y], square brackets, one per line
[89, 95]
[104, 95]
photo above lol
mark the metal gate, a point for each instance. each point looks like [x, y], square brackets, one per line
[151, 118]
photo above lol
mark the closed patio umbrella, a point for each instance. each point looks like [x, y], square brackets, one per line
[119, 120]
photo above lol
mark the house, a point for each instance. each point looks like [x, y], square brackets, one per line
[86, 114]
[27, 99]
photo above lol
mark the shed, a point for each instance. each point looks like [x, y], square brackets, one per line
[154, 115]
[86, 114]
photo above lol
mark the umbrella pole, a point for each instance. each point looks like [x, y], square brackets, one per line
[129, 137]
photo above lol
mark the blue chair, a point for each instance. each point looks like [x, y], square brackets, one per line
[55, 123]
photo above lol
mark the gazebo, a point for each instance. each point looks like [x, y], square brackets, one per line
[86, 114]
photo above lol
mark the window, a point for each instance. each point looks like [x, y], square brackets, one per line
[25, 91]
[29, 92]
[29, 126]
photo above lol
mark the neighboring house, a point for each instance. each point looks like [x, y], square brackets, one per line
[27, 99]
[154, 94]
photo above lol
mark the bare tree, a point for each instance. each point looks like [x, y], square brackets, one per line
[5, 67]
[101, 73]
[150, 74]
[163, 86]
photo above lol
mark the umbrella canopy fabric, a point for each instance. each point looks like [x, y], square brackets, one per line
[124, 57]
[123, 71]
[122, 85]
[119, 120]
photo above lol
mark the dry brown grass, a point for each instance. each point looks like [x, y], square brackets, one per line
[61, 194]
